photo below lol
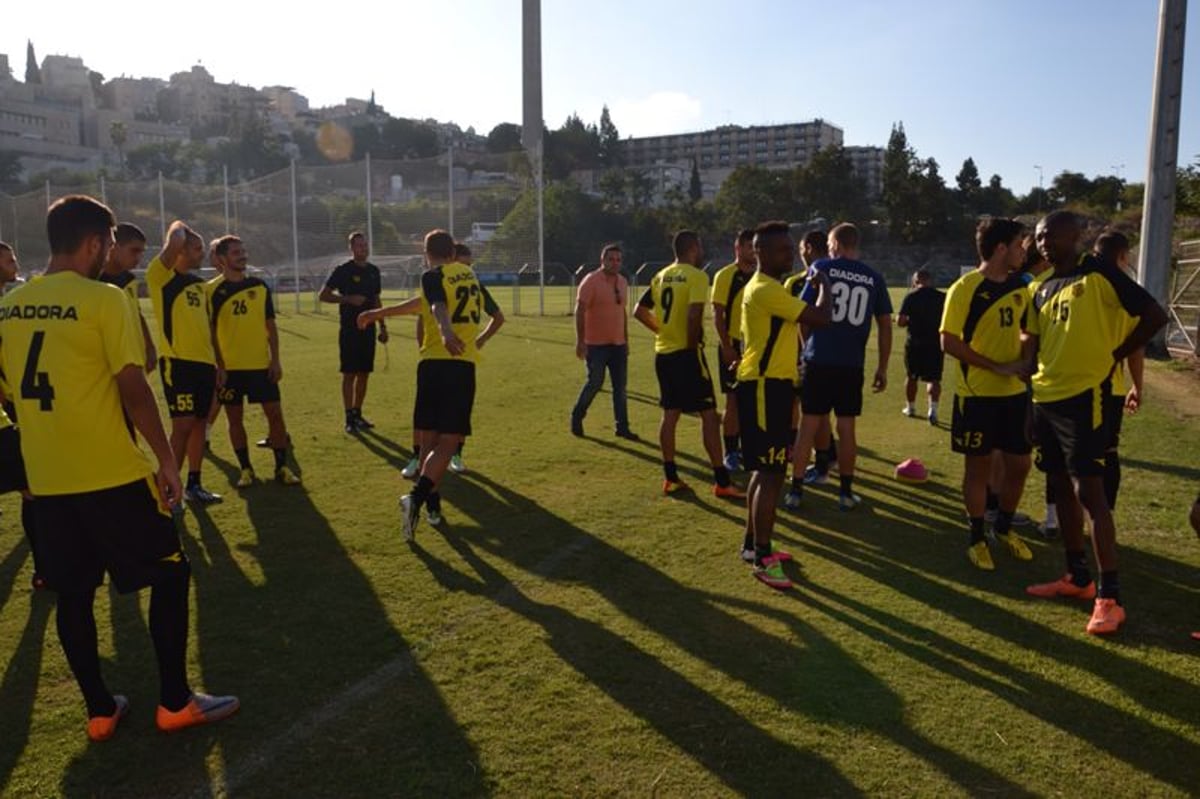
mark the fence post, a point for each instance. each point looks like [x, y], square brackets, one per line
[225, 191]
[103, 191]
[295, 239]
[450, 188]
[47, 192]
[162, 208]
[541, 222]
[370, 219]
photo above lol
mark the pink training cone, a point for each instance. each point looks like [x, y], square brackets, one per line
[912, 471]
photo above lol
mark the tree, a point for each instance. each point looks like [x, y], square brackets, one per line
[610, 140]
[1107, 193]
[641, 188]
[828, 187]
[613, 190]
[969, 187]
[504, 138]
[751, 194]
[933, 204]
[573, 146]
[407, 138]
[695, 187]
[32, 73]
[995, 199]
[901, 184]
[1070, 187]
[119, 136]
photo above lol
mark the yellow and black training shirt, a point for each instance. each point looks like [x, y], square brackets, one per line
[1080, 318]
[794, 283]
[181, 311]
[240, 311]
[727, 291]
[989, 317]
[769, 317]
[63, 340]
[456, 286]
[128, 283]
[672, 292]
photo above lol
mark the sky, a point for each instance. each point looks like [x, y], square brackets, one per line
[1060, 84]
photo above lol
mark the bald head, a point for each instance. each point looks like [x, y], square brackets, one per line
[1058, 237]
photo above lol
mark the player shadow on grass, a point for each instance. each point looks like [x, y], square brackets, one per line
[731, 746]
[1163, 754]
[384, 448]
[285, 619]
[1175, 469]
[22, 672]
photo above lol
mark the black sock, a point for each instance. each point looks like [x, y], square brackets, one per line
[349, 415]
[417, 452]
[434, 502]
[671, 471]
[1078, 568]
[1051, 498]
[280, 458]
[1112, 478]
[731, 444]
[822, 461]
[1109, 587]
[243, 457]
[748, 541]
[193, 480]
[1003, 522]
[421, 491]
[993, 501]
[760, 553]
[77, 633]
[798, 485]
[460, 446]
[976, 530]
[721, 475]
[169, 631]
[27, 514]
[847, 481]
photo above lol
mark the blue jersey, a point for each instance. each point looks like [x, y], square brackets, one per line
[858, 295]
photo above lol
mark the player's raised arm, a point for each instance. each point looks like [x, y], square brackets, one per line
[176, 238]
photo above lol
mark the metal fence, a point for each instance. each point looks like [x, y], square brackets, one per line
[295, 222]
[1183, 326]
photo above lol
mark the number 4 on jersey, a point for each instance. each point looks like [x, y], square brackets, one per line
[35, 385]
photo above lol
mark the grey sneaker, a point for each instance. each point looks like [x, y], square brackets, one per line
[410, 514]
[456, 464]
[411, 469]
[433, 517]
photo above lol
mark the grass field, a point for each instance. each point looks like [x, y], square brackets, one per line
[572, 632]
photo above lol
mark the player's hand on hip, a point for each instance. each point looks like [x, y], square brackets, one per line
[880, 381]
[454, 345]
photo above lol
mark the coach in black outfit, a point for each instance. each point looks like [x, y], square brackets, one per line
[921, 313]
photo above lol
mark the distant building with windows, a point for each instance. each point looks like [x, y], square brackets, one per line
[731, 146]
[867, 163]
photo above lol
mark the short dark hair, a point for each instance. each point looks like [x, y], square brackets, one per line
[607, 248]
[221, 246]
[127, 232]
[991, 233]
[439, 244]
[922, 275]
[461, 249]
[769, 230]
[75, 218]
[355, 234]
[845, 234]
[746, 235]
[683, 241]
[817, 240]
[1111, 245]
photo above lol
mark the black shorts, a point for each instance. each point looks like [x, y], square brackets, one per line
[923, 362]
[765, 418]
[1114, 413]
[684, 382]
[121, 530]
[445, 396]
[357, 349]
[12, 465]
[251, 384]
[726, 377]
[1072, 434]
[983, 424]
[831, 388]
[188, 386]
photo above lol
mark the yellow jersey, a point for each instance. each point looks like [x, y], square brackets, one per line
[63, 340]
[727, 292]
[128, 283]
[181, 312]
[989, 317]
[672, 292]
[1080, 318]
[770, 347]
[466, 300]
[240, 310]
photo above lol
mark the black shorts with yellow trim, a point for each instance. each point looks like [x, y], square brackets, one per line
[254, 385]
[765, 420]
[445, 396]
[12, 464]
[1114, 414]
[188, 386]
[924, 362]
[1072, 434]
[727, 372]
[124, 531]
[981, 425]
[684, 381]
[825, 388]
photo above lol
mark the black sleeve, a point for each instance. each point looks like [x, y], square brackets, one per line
[336, 279]
[906, 304]
[647, 300]
[216, 301]
[270, 302]
[432, 286]
[489, 305]
[1133, 298]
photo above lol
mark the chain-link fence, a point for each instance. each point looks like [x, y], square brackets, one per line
[1183, 328]
[295, 222]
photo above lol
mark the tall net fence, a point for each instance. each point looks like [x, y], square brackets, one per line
[295, 222]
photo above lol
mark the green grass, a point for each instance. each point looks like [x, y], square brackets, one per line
[572, 632]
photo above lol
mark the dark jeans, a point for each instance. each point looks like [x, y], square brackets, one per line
[614, 357]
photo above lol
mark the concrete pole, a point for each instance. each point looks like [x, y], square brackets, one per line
[370, 225]
[295, 239]
[225, 186]
[162, 208]
[1158, 215]
[450, 188]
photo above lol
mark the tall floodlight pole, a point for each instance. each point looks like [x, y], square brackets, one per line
[531, 120]
[1158, 214]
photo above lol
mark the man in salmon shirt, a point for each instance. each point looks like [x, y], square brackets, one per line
[602, 339]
